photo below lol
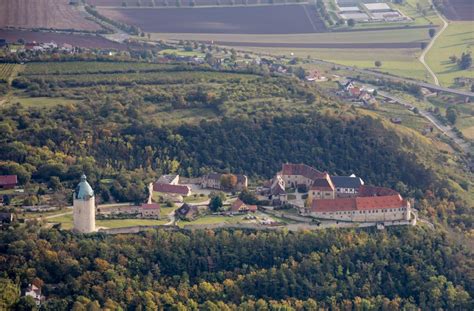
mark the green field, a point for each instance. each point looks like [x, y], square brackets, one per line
[456, 39]
[401, 62]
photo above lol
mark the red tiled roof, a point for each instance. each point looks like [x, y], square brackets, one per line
[323, 184]
[334, 205]
[167, 188]
[8, 180]
[372, 191]
[150, 206]
[235, 207]
[358, 203]
[301, 169]
[389, 201]
[354, 91]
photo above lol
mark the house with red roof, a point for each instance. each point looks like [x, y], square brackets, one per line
[172, 189]
[383, 208]
[239, 207]
[151, 210]
[8, 181]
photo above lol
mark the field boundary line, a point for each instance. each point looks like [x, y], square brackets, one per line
[309, 17]
[210, 6]
[430, 45]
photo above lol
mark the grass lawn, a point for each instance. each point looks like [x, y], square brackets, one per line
[409, 119]
[196, 199]
[118, 223]
[44, 214]
[177, 116]
[456, 39]
[67, 223]
[40, 102]
[165, 211]
[212, 219]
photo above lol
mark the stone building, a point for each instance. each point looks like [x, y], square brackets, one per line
[213, 181]
[322, 188]
[295, 175]
[385, 208]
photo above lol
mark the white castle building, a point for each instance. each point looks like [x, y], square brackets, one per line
[84, 207]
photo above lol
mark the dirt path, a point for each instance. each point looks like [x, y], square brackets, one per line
[430, 45]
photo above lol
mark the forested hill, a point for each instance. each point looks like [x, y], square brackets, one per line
[402, 269]
[254, 147]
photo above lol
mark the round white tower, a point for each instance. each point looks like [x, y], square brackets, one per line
[84, 207]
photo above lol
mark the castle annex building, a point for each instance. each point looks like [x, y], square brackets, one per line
[84, 207]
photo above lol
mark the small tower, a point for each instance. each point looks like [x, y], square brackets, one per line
[84, 207]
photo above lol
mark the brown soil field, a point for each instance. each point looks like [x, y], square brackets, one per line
[85, 41]
[280, 19]
[459, 10]
[393, 45]
[183, 3]
[55, 14]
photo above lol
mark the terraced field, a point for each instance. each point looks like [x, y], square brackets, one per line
[6, 71]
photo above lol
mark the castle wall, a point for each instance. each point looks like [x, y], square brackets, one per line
[84, 215]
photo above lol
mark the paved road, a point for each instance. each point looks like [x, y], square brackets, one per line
[399, 79]
[445, 129]
[430, 45]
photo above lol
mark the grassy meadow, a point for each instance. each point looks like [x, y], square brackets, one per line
[456, 39]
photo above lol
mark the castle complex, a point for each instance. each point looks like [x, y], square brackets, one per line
[343, 198]
[84, 207]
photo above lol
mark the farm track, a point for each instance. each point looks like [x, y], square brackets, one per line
[430, 45]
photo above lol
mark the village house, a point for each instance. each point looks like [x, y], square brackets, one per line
[34, 292]
[274, 190]
[315, 76]
[347, 186]
[187, 212]
[322, 188]
[214, 181]
[8, 181]
[6, 218]
[239, 207]
[295, 175]
[151, 210]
